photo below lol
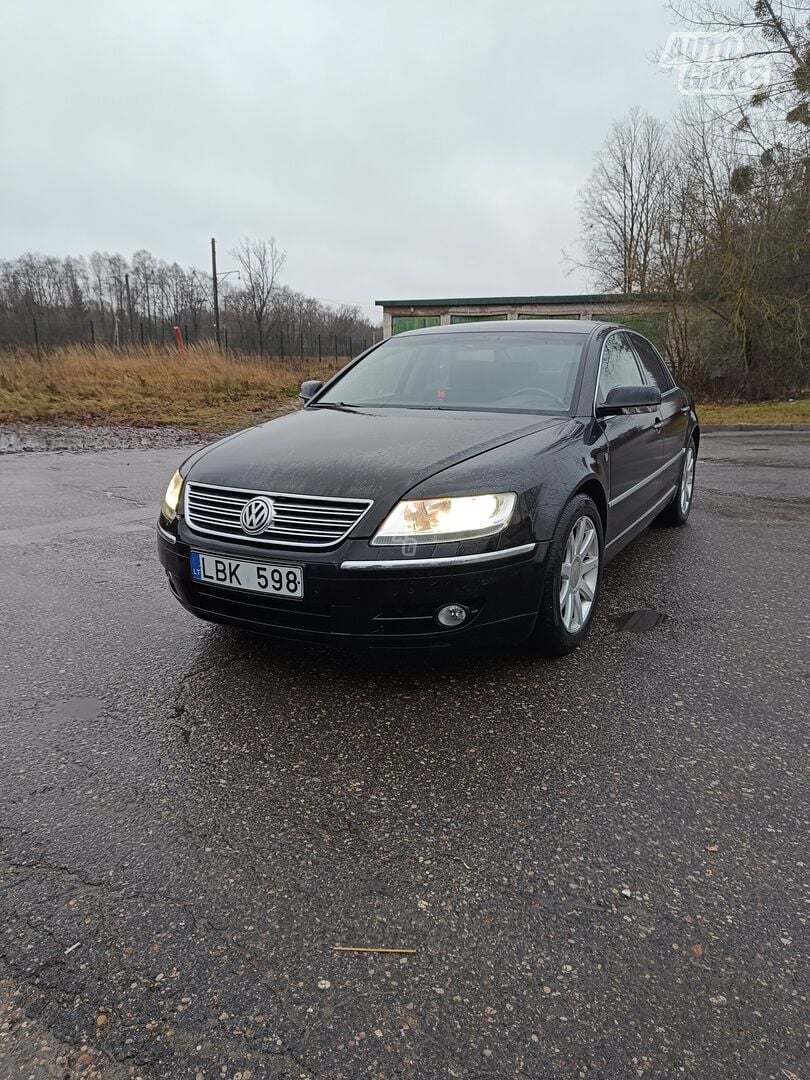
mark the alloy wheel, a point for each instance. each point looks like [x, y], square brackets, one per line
[579, 574]
[687, 481]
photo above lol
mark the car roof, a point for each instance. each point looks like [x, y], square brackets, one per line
[511, 326]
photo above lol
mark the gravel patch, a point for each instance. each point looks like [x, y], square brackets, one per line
[19, 438]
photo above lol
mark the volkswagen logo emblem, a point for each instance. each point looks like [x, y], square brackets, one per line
[257, 516]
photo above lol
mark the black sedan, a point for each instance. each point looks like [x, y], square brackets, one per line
[459, 484]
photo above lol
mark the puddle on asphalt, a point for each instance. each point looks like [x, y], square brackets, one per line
[641, 620]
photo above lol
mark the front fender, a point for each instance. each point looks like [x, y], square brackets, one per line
[544, 468]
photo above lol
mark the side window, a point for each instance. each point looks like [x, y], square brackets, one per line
[619, 366]
[654, 367]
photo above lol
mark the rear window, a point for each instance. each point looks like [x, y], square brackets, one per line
[654, 367]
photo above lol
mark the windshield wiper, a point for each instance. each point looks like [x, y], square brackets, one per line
[341, 405]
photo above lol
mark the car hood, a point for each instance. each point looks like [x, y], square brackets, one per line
[359, 454]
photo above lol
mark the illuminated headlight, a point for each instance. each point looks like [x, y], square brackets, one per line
[432, 521]
[171, 500]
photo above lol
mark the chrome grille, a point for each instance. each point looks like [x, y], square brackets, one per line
[298, 521]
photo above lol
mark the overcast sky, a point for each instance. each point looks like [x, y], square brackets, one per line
[394, 148]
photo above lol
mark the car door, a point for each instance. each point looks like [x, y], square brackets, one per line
[634, 443]
[673, 416]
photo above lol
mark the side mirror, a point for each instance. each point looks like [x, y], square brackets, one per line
[629, 397]
[308, 390]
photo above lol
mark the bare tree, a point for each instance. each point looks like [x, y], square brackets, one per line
[261, 262]
[66, 296]
[703, 216]
[622, 203]
[747, 262]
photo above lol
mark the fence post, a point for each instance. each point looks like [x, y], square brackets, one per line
[185, 332]
[36, 334]
[141, 333]
[282, 346]
[336, 348]
[319, 348]
[93, 334]
[226, 340]
[302, 346]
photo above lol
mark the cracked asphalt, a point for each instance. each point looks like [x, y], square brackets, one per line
[600, 861]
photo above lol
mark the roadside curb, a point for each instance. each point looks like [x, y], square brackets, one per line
[719, 429]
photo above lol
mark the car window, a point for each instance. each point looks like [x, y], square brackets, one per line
[488, 371]
[654, 367]
[619, 366]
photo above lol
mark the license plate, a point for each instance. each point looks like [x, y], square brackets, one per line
[252, 576]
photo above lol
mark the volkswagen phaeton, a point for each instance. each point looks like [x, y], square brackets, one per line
[457, 484]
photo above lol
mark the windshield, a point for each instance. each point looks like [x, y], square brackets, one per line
[490, 371]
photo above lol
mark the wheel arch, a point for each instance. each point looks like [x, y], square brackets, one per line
[594, 490]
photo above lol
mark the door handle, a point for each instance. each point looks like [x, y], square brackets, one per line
[658, 423]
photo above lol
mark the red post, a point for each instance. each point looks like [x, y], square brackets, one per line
[178, 337]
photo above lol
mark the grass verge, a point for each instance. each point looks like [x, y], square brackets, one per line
[202, 390]
[762, 412]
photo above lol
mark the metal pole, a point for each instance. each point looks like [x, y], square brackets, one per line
[319, 348]
[302, 346]
[129, 309]
[148, 306]
[141, 333]
[36, 334]
[336, 348]
[216, 288]
[93, 333]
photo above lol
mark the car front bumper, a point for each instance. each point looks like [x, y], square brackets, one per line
[381, 602]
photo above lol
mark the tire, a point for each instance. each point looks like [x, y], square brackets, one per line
[676, 513]
[555, 633]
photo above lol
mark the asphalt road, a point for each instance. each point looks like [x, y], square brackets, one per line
[600, 861]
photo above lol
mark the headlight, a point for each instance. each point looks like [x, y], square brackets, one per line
[431, 521]
[171, 499]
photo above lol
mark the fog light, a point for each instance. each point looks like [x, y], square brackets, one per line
[452, 615]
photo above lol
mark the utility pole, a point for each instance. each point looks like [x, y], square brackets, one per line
[148, 307]
[129, 309]
[216, 288]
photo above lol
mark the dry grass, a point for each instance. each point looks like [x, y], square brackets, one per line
[203, 390]
[207, 391]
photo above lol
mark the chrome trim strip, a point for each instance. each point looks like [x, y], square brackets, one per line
[166, 535]
[647, 513]
[281, 494]
[452, 560]
[647, 480]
